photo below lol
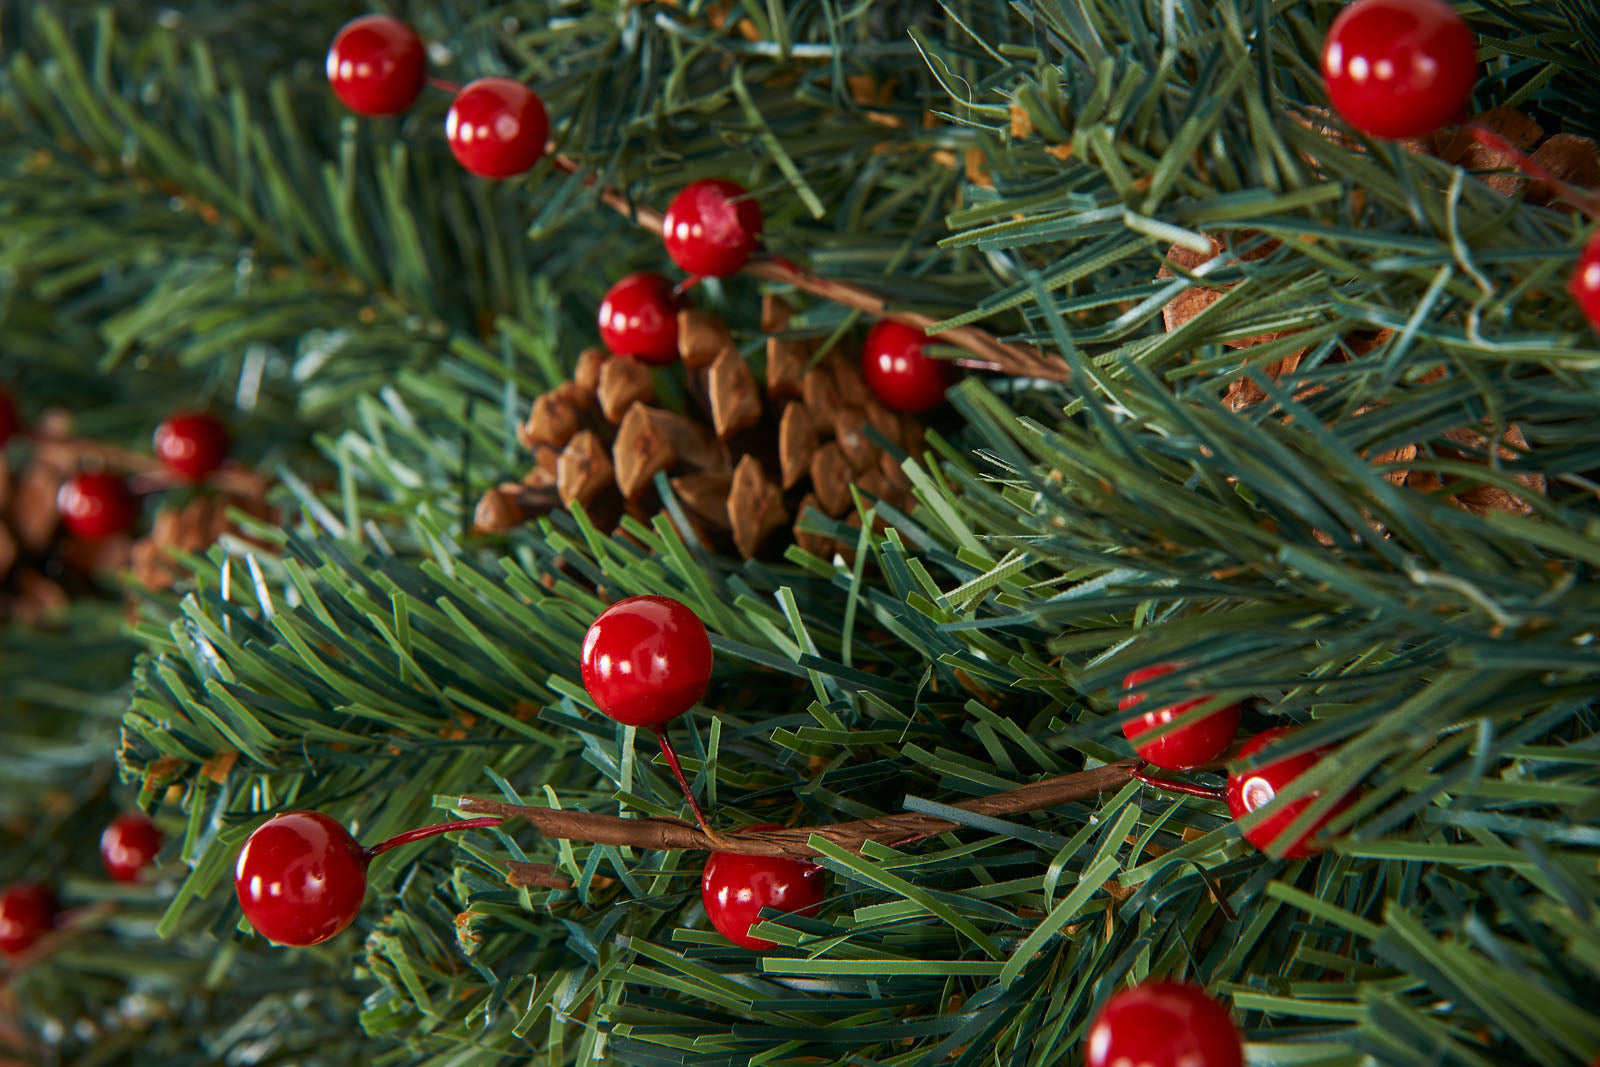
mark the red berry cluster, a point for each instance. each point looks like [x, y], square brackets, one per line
[29, 910]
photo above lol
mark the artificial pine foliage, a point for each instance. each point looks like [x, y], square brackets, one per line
[1305, 417]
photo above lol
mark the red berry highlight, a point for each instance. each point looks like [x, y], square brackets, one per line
[95, 505]
[1585, 283]
[1399, 68]
[1163, 1024]
[9, 420]
[735, 888]
[899, 371]
[1196, 743]
[300, 878]
[192, 444]
[1251, 790]
[639, 318]
[27, 913]
[377, 65]
[712, 227]
[646, 660]
[129, 845]
[497, 128]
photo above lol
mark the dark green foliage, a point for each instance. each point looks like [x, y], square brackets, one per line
[373, 660]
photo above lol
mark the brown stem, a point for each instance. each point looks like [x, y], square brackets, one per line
[423, 832]
[1022, 361]
[671, 755]
[887, 829]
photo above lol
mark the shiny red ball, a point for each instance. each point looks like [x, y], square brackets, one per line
[899, 371]
[129, 845]
[27, 913]
[1164, 1024]
[192, 445]
[377, 65]
[95, 505]
[712, 227]
[639, 318]
[1188, 746]
[9, 420]
[300, 878]
[646, 660]
[1585, 284]
[1399, 68]
[735, 888]
[1251, 790]
[496, 128]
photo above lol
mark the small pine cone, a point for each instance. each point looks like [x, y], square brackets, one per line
[587, 375]
[584, 469]
[1192, 301]
[830, 479]
[497, 512]
[545, 470]
[786, 366]
[735, 402]
[797, 443]
[818, 391]
[705, 495]
[624, 381]
[850, 430]
[1567, 158]
[702, 337]
[552, 422]
[33, 508]
[755, 506]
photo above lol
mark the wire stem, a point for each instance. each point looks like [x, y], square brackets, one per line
[671, 755]
[430, 831]
[444, 85]
[1584, 202]
[1187, 788]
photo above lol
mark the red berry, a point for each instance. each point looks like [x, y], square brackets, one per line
[1251, 790]
[711, 228]
[496, 128]
[899, 371]
[192, 444]
[735, 888]
[1585, 284]
[1188, 746]
[639, 317]
[129, 845]
[646, 660]
[95, 505]
[377, 65]
[300, 878]
[1164, 1024]
[9, 422]
[27, 912]
[1399, 68]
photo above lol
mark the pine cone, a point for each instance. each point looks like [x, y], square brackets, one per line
[192, 527]
[747, 459]
[42, 568]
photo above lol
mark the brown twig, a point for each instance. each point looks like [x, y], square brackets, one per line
[1021, 361]
[669, 834]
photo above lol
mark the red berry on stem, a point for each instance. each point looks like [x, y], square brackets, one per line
[1198, 742]
[192, 444]
[735, 888]
[129, 845]
[899, 371]
[646, 660]
[496, 128]
[300, 878]
[1251, 790]
[1399, 68]
[1163, 1024]
[1585, 284]
[96, 505]
[711, 228]
[9, 422]
[639, 318]
[27, 912]
[377, 65]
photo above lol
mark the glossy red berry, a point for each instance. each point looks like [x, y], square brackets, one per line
[646, 660]
[377, 65]
[95, 505]
[1585, 284]
[735, 888]
[639, 318]
[1399, 68]
[1251, 790]
[899, 371]
[1163, 1024]
[192, 445]
[1188, 746]
[496, 128]
[300, 878]
[712, 227]
[9, 421]
[129, 845]
[27, 913]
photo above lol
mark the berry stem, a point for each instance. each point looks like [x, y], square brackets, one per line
[1584, 202]
[431, 831]
[1187, 788]
[683, 783]
[444, 85]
